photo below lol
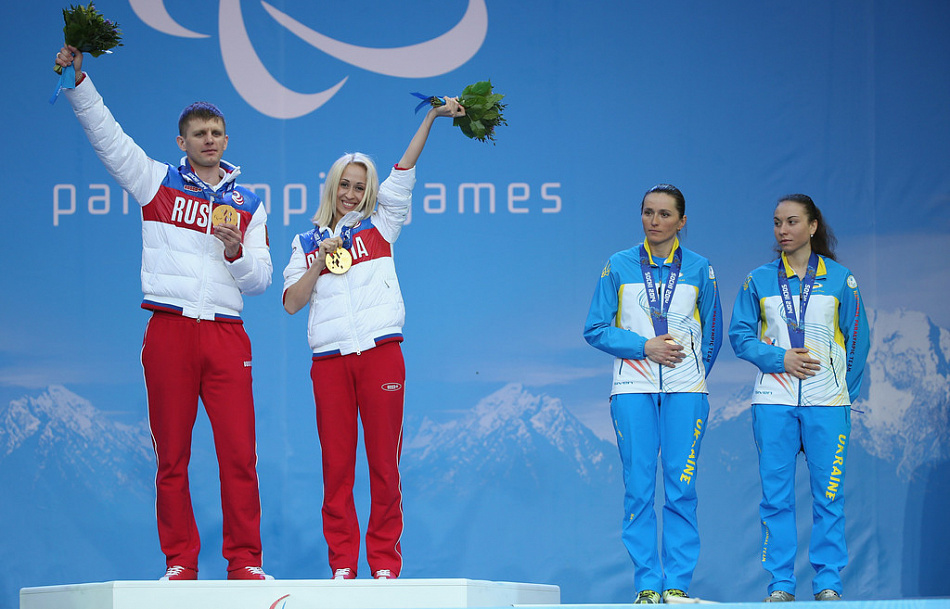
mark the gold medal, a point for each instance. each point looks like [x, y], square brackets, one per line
[670, 341]
[225, 214]
[339, 261]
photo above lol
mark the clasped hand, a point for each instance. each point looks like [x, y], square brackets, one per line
[799, 364]
[451, 108]
[328, 246]
[664, 351]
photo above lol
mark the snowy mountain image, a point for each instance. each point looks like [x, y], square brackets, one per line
[907, 408]
[78, 499]
[508, 431]
[70, 442]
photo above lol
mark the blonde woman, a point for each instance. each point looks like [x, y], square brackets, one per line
[343, 268]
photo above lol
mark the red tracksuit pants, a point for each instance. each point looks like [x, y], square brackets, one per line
[185, 359]
[369, 385]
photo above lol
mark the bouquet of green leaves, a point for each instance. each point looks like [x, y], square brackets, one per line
[483, 110]
[90, 32]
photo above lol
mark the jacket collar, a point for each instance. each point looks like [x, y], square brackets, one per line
[669, 259]
[789, 272]
[227, 171]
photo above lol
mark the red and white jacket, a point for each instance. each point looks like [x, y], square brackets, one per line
[183, 265]
[363, 307]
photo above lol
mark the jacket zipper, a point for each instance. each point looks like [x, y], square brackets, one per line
[349, 314]
[831, 360]
[208, 248]
[659, 296]
[692, 347]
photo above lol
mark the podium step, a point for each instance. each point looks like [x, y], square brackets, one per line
[290, 594]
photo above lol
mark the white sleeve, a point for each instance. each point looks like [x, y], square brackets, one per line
[253, 271]
[128, 164]
[395, 201]
[297, 265]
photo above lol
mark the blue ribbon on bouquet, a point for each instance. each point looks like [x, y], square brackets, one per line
[67, 80]
[426, 100]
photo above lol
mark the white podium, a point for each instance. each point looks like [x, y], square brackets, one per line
[290, 594]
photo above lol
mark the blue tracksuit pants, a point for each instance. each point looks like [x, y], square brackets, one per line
[670, 425]
[822, 432]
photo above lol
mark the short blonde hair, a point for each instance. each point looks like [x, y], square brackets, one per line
[324, 215]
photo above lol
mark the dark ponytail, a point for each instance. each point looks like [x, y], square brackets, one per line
[824, 241]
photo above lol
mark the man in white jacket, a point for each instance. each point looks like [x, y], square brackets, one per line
[205, 245]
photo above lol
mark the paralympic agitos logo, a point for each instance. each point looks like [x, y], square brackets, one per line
[264, 93]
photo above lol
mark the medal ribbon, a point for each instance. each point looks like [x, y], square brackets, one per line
[659, 310]
[346, 234]
[215, 196]
[796, 324]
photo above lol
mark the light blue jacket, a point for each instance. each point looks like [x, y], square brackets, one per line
[836, 334]
[619, 322]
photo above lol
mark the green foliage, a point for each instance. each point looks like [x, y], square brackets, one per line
[90, 32]
[483, 111]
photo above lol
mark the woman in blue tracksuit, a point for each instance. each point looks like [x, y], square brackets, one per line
[656, 310]
[800, 319]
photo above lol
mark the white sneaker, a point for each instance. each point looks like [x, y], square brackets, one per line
[383, 574]
[344, 574]
[178, 573]
[252, 573]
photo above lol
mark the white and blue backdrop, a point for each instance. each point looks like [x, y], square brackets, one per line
[510, 466]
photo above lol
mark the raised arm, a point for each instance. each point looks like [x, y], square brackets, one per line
[70, 55]
[128, 164]
[411, 155]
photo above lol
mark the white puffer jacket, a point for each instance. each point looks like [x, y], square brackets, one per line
[363, 307]
[183, 265]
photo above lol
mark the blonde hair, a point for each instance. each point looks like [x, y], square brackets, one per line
[324, 215]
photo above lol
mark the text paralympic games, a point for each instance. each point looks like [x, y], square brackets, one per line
[96, 199]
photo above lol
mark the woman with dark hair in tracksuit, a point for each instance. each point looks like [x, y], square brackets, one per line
[656, 310]
[800, 319]
[343, 268]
